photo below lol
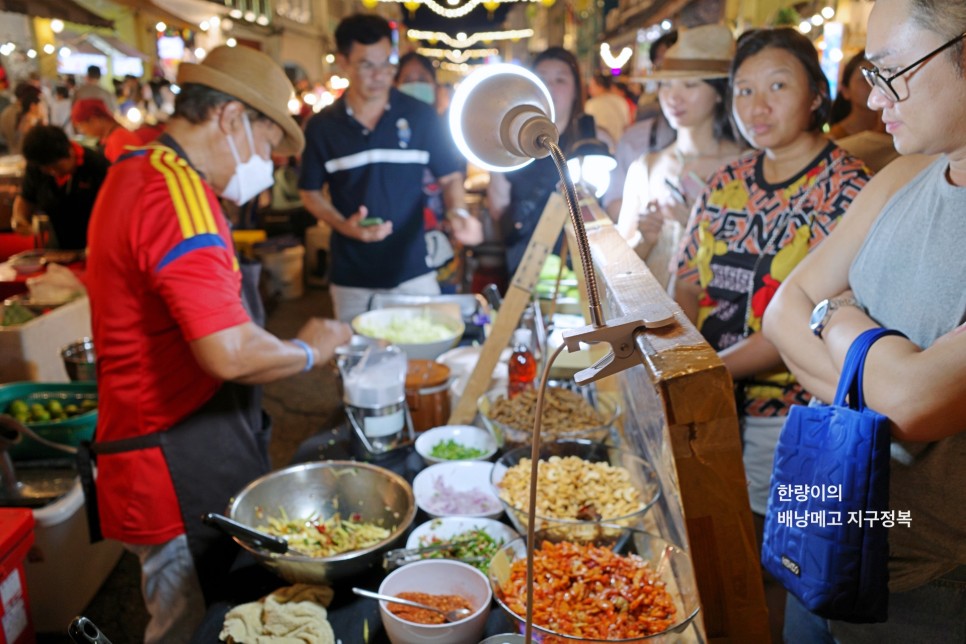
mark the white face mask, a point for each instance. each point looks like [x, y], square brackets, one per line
[251, 177]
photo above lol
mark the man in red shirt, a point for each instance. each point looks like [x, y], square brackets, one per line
[175, 318]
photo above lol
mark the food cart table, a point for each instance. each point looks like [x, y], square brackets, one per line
[350, 616]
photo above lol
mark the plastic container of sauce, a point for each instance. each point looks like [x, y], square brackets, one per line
[427, 394]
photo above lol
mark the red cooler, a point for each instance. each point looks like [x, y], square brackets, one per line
[16, 537]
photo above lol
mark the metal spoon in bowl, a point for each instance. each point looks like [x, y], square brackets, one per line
[454, 615]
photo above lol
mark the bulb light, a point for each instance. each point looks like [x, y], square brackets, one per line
[612, 61]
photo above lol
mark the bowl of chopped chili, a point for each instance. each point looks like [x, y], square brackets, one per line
[580, 484]
[620, 584]
[442, 583]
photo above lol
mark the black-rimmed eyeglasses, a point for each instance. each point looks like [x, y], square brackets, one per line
[875, 78]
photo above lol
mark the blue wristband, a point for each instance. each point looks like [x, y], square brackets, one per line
[309, 354]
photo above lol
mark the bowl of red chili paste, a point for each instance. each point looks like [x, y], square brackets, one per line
[443, 584]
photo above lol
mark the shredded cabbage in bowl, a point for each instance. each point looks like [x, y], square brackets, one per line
[406, 330]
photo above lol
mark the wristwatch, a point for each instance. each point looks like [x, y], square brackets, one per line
[822, 312]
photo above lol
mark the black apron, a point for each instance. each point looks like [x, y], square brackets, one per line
[211, 455]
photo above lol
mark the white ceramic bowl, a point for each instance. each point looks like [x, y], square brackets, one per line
[466, 435]
[381, 323]
[430, 487]
[438, 577]
[448, 527]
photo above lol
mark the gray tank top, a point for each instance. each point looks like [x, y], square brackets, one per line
[909, 275]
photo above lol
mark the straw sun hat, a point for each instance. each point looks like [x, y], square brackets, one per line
[254, 79]
[701, 52]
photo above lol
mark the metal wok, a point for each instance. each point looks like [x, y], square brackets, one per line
[320, 490]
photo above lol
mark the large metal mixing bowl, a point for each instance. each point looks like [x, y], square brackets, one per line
[321, 489]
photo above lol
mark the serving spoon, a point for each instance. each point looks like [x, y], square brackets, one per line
[454, 615]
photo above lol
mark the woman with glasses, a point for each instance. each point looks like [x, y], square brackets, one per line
[756, 220]
[897, 261]
[661, 187]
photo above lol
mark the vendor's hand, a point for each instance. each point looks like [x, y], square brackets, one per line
[351, 228]
[21, 226]
[324, 336]
[467, 230]
[650, 223]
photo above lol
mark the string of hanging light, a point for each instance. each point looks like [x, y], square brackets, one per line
[462, 41]
[455, 12]
[455, 55]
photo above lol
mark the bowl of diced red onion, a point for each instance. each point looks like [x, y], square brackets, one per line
[457, 489]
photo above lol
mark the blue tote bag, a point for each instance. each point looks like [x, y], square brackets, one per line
[824, 536]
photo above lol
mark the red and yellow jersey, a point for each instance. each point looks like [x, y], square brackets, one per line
[161, 273]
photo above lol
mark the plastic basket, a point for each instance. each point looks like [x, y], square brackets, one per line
[67, 432]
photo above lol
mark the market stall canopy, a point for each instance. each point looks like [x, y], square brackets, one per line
[101, 44]
[63, 9]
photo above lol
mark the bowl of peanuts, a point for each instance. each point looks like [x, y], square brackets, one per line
[566, 414]
[580, 484]
[615, 584]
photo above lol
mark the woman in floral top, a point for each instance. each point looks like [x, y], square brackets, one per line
[759, 216]
[757, 219]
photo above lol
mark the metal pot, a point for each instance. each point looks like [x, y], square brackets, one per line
[80, 360]
[321, 489]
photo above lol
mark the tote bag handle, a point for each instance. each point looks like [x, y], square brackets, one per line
[850, 382]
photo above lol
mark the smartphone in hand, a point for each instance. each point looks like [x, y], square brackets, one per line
[370, 221]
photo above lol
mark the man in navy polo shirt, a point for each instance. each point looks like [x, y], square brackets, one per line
[371, 146]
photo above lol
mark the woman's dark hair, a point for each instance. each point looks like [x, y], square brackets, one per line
[27, 97]
[723, 128]
[45, 144]
[564, 56]
[362, 28]
[664, 42]
[947, 19]
[841, 106]
[417, 58]
[756, 40]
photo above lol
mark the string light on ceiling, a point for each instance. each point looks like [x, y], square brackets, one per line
[456, 12]
[461, 68]
[612, 61]
[457, 56]
[462, 41]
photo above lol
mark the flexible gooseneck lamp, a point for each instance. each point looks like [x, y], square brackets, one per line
[501, 119]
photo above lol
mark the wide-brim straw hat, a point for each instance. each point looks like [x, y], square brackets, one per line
[254, 79]
[703, 53]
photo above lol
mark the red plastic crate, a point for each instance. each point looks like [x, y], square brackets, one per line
[16, 538]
